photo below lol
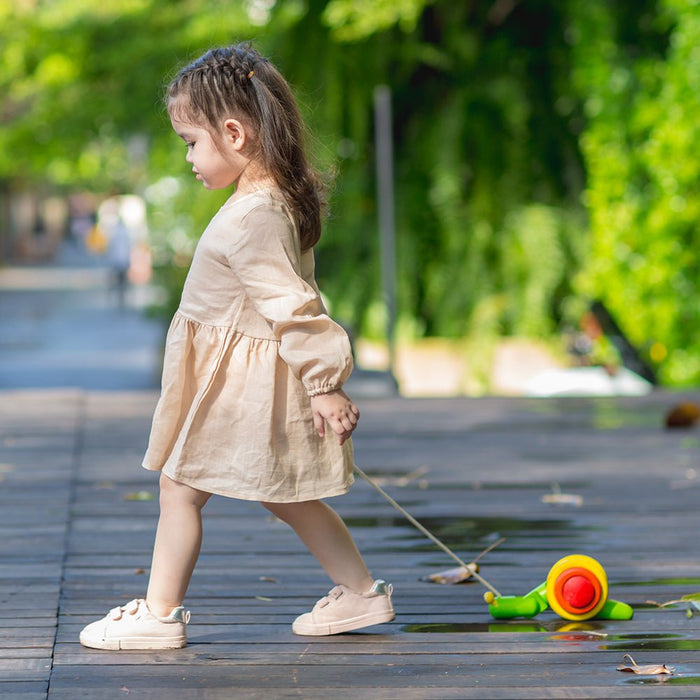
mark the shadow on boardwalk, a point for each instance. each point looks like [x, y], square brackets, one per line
[77, 516]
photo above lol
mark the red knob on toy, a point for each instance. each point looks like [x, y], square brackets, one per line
[577, 587]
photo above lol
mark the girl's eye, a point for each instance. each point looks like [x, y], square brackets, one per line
[190, 145]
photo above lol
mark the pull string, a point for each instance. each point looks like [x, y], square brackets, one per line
[470, 567]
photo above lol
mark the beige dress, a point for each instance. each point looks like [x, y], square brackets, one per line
[249, 344]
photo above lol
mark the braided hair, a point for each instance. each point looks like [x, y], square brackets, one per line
[238, 81]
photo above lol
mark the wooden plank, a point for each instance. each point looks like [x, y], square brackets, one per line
[387, 693]
[25, 669]
[357, 655]
[23, 690]
[328, 677]
[29, 653]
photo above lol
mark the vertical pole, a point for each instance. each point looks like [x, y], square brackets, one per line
[5, 222]
[385, 206]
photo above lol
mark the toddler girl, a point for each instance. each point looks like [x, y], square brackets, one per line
[251, 404]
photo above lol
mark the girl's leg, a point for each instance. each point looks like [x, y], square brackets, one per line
[177, 545]
[322, 530]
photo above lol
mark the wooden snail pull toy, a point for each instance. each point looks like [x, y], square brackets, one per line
[576, 589]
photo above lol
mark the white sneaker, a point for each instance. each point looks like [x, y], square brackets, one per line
[132, 626]
[343, 610]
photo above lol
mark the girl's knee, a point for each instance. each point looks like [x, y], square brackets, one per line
[168, 487]
[174, 493]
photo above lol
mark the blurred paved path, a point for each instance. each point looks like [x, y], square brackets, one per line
[61, 326]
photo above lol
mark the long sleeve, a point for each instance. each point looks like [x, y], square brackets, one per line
[265, 257]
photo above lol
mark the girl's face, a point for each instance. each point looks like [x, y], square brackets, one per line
[217, 165]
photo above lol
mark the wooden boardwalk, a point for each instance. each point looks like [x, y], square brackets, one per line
[77, 527]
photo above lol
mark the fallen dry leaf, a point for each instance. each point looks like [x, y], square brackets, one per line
[456, 575]
[569, 499]
[559, 498]
[692, 598]
[139, 496]
[461, 573]
[646, 669]
[403, 480]
[683, 415]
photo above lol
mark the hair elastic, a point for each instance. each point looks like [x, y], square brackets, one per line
[251, 74]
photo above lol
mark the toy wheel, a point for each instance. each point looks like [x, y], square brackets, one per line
[577, 587]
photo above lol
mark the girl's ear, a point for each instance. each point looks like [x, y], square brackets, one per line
[235, 133]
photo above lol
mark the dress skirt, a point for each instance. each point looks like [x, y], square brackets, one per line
[248, 347]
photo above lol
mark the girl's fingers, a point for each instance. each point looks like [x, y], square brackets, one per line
[343, 436]
[349, 421]
[343, 428]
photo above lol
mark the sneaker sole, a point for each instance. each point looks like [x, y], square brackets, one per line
[353, 623]
[135, 643]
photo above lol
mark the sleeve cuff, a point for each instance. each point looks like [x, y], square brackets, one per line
[323, 390]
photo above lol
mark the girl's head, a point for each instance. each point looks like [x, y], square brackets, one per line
[237, 83]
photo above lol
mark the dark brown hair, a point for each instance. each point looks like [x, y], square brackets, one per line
[237, 81]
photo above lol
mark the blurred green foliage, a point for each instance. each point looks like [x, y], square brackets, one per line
[640, 75]
[545, 150]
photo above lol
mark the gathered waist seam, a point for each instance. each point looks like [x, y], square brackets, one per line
[225, 328]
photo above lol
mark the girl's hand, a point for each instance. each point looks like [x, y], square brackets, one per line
[337, 409]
